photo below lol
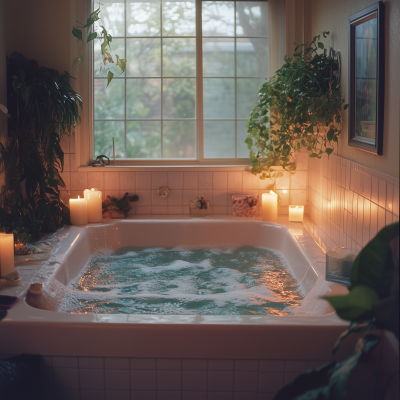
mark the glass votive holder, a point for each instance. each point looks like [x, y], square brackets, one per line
[338, 264]
[296, 213]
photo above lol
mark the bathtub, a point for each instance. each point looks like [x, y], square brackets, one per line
[298, 338]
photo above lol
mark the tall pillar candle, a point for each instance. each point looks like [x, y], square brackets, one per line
[94, 208]
[78, 211]
[6, 253]
[269, 206]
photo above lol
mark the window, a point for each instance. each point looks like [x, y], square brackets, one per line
[193, 74]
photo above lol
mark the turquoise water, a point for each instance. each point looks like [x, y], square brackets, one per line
[223, 281]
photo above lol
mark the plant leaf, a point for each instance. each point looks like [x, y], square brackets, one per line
[355, 306]
[110, 75]
[91, 36]
[374, 266]
[321, 45]
[77, 33]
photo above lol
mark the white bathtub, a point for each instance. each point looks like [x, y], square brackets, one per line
[187, 336]
[59, 336]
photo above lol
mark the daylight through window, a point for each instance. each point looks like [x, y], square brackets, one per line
[153, 109]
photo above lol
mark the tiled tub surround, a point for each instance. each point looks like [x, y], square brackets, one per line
[91, 356]
[185, 183]
[349, 203]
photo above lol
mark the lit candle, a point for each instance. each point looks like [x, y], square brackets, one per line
[78, 211]
[269, 206]
[6, 253]
[94, 209]
[296, 213]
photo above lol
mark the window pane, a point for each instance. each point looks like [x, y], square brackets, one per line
[179, 57]
[218, 57]
[143, 98]
[104, 131]
[179, 98]
[218, 18]
[144, 57]
[251, 18]
[143, 139]
[112, 17]
[241, 135]
[142, 19]
[109, 103]
[219, 139]
[252, 57]
[179, 139]
[218, 98]
[117, 47]
[179, 18]
[247, 95]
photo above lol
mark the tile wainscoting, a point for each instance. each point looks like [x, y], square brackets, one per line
[348, 203]
[213, 183]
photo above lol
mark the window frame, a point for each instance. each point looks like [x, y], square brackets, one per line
[85, 133]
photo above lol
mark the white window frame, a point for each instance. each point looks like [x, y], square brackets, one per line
[79, 10]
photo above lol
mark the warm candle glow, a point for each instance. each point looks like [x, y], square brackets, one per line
[269, 206]
[6, 253]
[78, 211]
[94, 206]
[296, 213]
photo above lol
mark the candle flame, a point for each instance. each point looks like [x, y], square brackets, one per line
[92, 189]
[271, 192]
[297, 206]
[284, 191]
[78, 197]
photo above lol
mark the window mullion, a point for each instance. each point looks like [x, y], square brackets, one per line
[162, 84]
[199, 81]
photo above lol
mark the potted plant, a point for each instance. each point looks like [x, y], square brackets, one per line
[299, 107]
[42, 107]
[372, 303]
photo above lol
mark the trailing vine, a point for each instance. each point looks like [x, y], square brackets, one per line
[299, 107]
[95, 31]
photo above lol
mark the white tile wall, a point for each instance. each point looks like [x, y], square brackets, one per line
[348, 203]
[214, 184]
[149, 378]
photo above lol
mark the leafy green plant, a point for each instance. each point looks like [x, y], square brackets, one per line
[299, 107]
[95, 31]
[120, 205]
[42, 108]
[373, 303]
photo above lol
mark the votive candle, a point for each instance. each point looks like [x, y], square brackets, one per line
[296, 213]
[6, 253]
[78, 211]
[269, 206]
[94, 207]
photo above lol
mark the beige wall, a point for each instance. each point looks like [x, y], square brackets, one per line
[333, 16]
[39, 30]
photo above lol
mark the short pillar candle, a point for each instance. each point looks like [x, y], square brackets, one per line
[269, 206]
[78, 211]
[6, 253]
[296, 213]
[94, 207]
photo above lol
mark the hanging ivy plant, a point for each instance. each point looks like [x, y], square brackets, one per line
[299, 107]
[95, 31]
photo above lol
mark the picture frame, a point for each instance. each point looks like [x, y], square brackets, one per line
[367, 78]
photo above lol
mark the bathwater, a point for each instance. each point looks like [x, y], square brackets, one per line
[223, 281]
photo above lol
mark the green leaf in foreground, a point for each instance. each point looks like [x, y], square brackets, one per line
[374, 266]
[355, 306]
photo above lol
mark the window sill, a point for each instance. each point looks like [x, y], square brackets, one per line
[127, 168]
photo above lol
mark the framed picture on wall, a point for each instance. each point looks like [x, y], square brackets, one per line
[366, 74]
